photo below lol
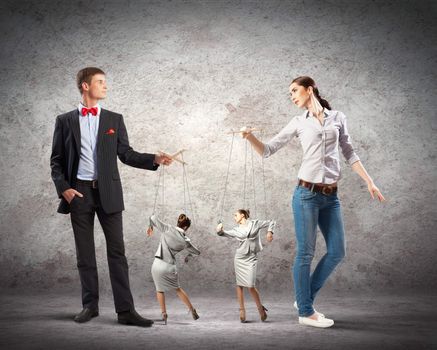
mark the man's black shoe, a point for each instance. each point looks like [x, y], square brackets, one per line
[85, 315]
[132, 318]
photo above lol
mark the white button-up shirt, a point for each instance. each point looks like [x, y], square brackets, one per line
[320, 144]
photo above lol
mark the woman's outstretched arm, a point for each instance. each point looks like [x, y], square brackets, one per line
[276, 143]
[358, 167]
[232, 233]
[154, 221]
[257, 145]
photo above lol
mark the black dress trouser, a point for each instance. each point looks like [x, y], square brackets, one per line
[82, 214]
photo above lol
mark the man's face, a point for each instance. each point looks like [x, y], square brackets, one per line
[97, 88]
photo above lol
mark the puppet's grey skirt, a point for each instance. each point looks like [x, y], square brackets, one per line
[245, 269]
[165, 275]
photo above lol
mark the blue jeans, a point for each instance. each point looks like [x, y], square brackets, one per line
[311, 209]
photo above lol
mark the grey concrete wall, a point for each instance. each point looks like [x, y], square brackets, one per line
[185, 73]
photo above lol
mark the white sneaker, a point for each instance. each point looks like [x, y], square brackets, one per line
[321, 322]
[318, 313]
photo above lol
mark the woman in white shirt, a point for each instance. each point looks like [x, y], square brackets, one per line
[321, 131]
[245, 262]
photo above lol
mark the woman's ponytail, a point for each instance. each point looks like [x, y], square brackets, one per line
[306, 82]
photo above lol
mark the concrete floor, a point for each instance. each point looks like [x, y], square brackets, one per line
[44, 321]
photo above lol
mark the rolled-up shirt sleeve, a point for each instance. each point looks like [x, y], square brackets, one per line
[346, 143]
[281, 139]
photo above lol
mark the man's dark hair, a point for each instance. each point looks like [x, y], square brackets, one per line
[86, 75]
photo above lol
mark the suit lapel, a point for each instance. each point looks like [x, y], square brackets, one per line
[103, 125]
[75, 127]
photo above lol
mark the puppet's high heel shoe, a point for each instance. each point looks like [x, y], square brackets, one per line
[263, 313]
[164, 317]
[242, 315]
[194, 314]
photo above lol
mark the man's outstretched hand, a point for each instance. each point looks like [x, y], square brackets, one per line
[163, 159]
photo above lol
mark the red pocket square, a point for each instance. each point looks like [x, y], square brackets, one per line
[110, 131]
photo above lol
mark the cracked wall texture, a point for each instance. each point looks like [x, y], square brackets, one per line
[183, 74]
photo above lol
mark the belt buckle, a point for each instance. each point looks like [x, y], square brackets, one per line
[94, 184]
[327, 190]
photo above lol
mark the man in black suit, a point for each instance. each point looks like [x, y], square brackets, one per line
[86, 143]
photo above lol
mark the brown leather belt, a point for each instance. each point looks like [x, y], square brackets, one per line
[324, 189]
[90, 183]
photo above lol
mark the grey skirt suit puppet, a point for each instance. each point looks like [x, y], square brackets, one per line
[172, 241]
[246, 260]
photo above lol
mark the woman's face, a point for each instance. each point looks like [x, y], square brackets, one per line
[300, 95]
[238, 217]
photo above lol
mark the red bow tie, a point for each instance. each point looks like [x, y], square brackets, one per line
[92, 110]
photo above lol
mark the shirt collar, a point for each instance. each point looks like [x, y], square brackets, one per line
[327, 113]
[81, 105]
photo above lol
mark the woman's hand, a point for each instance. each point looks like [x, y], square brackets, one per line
[219, 227]
[375, 191]
[150, 231]
[269, 236]
[245, 132]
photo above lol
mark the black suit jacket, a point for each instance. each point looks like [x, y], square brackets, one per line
[112, 141]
